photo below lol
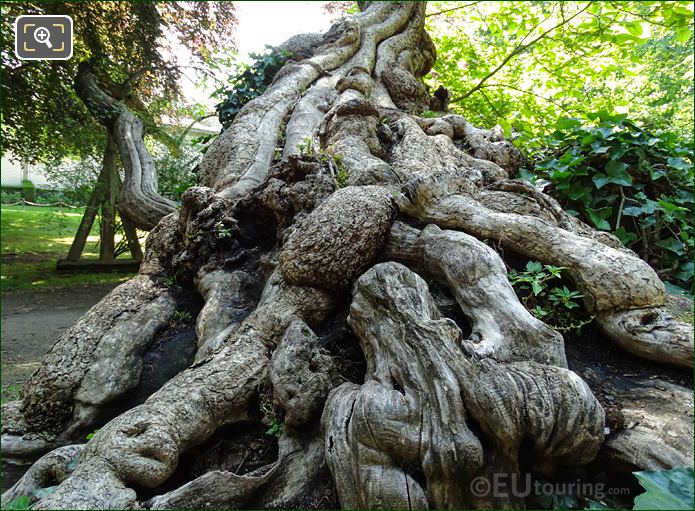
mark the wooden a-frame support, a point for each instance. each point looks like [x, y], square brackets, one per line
[104, 197]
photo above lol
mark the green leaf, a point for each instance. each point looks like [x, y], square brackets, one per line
[675, 290]
[632, 211]
[601, 180]
[634, 27]
[567, 123]
[683, 35]
[536, 287]
[649, 206]
[685, 272]
[606, 133]
[533, 266]
[666, 489]
[679, 163]
[21, 502]
[625, 237]
[597, 148]
[539, 312]
[554, 270]
[672, 244]
[665, 205]
[615, 168]
[599, 222]
[617, 174]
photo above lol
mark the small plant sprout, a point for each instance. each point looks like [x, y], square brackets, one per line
[277, 427]
[221, 231]
[306, 147]
[183, 316]
[557, 305]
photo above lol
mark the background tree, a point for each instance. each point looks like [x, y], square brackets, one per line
[132, 43]
[124, 61]
[526, 64]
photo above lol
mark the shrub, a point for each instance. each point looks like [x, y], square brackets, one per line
[250, 83]
[621, 178]
[56, 220]
[8, 197]
[176, 166]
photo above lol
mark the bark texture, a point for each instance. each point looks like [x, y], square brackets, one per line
[324, 277]
[421, 393]
[138, 198]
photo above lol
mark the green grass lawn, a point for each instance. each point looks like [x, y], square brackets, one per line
[34, 238]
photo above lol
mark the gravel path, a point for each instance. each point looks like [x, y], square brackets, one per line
[31, 323]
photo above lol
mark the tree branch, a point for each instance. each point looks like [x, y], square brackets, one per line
[516, 51]
[444, 11]
[507, 86]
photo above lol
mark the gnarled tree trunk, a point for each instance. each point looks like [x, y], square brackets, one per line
[138, 198]
[285, 253]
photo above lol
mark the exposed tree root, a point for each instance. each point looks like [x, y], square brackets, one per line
[503, 329]
[48, 471]
[657, 426]
[275, 248]
[412, 413]
[614, 281]
[299, 466]
[97, 359]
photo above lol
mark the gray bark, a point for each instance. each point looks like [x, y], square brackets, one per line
[138, 197]
[277, 252]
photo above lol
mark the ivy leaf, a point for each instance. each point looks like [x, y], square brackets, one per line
[625, 237]
[678, 163]
[672, 244]
[666, 489]
[616, 172]
[649, 206]
[567, 123]
[600, 180]
[632, 211]
[676, 290]
[685, 272]
[599, 222]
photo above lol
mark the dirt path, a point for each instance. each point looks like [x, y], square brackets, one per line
[32, 321]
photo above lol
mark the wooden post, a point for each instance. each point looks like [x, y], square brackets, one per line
[92, 208]
[108, 205]
[132, 237]
[104, 197]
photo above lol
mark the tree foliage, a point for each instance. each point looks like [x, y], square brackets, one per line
[248, 82]
[132, 46]
[666, 489]
[526, 64]
[632, 182]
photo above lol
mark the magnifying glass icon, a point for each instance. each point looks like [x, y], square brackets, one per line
[43, 36]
